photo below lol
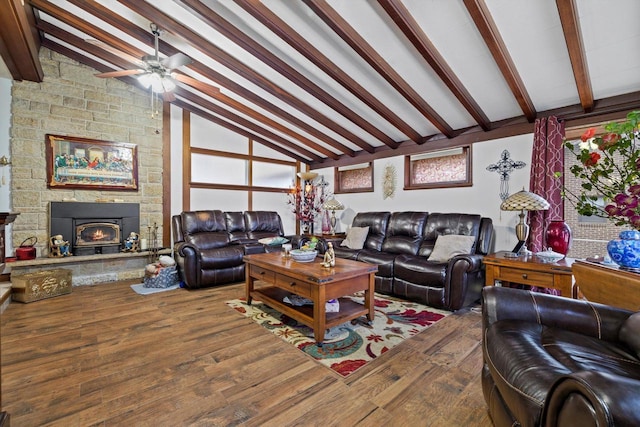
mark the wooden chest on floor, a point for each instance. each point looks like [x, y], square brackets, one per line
[30, 287]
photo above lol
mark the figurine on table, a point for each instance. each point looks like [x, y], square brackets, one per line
[131, 243]
[58, 247]
[329, 256]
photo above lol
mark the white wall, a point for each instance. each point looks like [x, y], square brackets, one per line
[482, 198]
[5, 171]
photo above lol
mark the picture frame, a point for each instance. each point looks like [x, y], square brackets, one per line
[90, 164]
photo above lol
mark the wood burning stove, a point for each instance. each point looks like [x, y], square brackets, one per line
[94, 228]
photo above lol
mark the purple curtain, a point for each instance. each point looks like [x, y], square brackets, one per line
[547, 158]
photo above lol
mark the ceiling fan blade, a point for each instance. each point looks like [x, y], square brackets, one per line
[175, 61]
[120, 73]
[197, 84]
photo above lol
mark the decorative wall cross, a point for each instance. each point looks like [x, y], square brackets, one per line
[504, 167]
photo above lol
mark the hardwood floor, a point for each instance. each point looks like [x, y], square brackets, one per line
[104, 355]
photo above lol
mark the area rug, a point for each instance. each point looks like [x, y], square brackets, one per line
[140, 289]
[349, 346]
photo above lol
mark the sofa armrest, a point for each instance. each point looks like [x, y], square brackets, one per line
[461, 271]
[593, 398]
[596, 320]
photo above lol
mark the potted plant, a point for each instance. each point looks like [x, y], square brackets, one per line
[609, 168]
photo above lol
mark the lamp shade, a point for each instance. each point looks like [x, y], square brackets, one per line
[332, 205]
[307, 176]
[524, 201]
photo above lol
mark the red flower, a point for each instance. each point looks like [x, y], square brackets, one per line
[588, 134]
[608, 140]
[592, 160]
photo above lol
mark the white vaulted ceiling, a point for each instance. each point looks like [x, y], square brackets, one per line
[333, 81]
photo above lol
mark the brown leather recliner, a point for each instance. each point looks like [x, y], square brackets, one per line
[400, 244]
[555, 361]
[209, 245]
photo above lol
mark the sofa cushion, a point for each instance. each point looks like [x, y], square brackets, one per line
[449, 245]
[377, 223]
[383, 260]
[404, 232]
[225, 257]
[416, 269]
[355, 237]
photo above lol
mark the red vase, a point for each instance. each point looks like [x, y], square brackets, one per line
[559, 237]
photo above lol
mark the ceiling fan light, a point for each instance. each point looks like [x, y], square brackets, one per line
[167, 84]
[145, 80]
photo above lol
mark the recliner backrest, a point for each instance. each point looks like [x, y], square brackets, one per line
[404, 232]
[377, 223]
[205, 229]
[261, 224]
[236, 226]
[449, 223]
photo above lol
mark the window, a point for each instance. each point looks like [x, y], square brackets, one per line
[354, 179]
[438, 169]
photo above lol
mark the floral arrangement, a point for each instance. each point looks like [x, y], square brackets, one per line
[306, 201]
[609, 167]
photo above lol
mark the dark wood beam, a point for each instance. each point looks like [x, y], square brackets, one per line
[225, 28]
[192, 98]
[605, 110]
[568, 12]
[202, 44]
[205, 88]
[492, 38]
[332, 19]
[239, 120]
[257, 138]
[412, 31]
[288, 34]
[108, 16]
[19, 42]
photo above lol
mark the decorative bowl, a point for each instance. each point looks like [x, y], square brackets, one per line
[303, 256]
[549, 257]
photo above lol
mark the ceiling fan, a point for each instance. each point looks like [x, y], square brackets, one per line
[157, 73]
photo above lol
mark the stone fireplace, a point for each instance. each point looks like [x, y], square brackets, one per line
[94, 228]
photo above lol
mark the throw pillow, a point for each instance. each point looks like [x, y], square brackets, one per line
[449, 245]
[355, 237]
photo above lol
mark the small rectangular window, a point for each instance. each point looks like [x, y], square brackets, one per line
[438, 169]
[354, 178]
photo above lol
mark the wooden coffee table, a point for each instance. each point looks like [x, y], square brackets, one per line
[282, 277]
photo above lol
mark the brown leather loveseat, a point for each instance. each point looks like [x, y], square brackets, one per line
[554, 361]
[209, 245]
[402, 245]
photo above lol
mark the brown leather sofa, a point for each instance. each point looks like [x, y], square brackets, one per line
[554, 361]
[400, 243]
[209, 245]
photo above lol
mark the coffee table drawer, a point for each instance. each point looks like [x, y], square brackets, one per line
[262, 274]
[527, 277]
[292, 285]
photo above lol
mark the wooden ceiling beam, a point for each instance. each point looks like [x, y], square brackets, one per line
[568, 11]
[200, 43]
[401, 16]
[225, 28]
[124, 64]
[108, 16]
[234, 118]
[489, 31]
[70, 53]
[19, 42]
[289, 35]
[350, 36]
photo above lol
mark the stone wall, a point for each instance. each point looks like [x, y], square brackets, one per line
[71, 101]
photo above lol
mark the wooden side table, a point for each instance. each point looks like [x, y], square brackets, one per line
[607, 284]
[529, 270]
